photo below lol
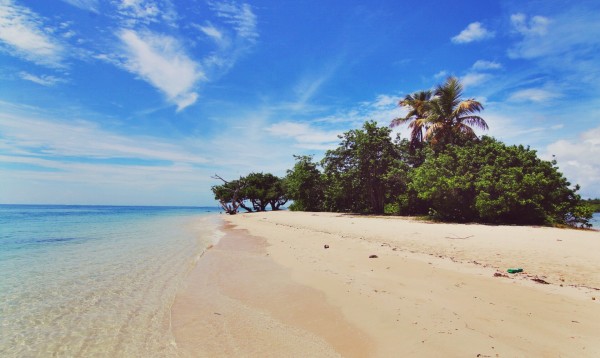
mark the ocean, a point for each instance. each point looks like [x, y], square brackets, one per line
[595, 221]
[80, 281]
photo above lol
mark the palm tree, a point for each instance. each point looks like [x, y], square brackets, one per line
[449, 117]
[418, 108]
[441, 117]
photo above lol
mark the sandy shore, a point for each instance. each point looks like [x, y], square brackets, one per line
[270, 288]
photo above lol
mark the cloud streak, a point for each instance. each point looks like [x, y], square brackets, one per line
[88, 5]
[44, 80]
[538, 95]
[24, 34]
[161, 61]
[25, 136]
[240, 16]
[305, 135]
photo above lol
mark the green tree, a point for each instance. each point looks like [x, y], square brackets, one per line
[230, 194]
[489, 181]
[441, 117]
[418, 111]
[263, 189]
[355, 172]
[450, 118]
[304, 185]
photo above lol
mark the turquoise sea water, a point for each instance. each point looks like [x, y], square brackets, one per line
[595, 221]
[95, 280]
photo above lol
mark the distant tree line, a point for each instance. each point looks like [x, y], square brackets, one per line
[443, 171]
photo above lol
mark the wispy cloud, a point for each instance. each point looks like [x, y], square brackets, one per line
[305, 135]
[533, 95]
[161, 61]
[382, 109]
[88, 5]
[536, 26]
[235, 33]
[474, 32]
[45, 138]
[137, 12]
[579, 160]
[568, 36]
[212, 32]
[240, 16]
[23, 33]
[486, 65]
[44, 80]
[441, 74]
[474, 79]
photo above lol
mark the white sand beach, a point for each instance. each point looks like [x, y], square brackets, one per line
[271, 288]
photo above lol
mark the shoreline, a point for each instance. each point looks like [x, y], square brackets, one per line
[238, 302]
[430, 291]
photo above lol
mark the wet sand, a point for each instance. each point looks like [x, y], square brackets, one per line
[240, 303]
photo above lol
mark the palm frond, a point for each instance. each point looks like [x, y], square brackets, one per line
[475, 121]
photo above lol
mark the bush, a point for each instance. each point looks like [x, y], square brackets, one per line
[488, 181]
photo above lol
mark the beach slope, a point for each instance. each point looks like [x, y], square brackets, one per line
[400, 287]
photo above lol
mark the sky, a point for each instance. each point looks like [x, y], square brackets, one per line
[140, 102]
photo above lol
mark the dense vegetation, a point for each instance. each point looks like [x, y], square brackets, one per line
[258, 189]
[594, 204]
[444, 171]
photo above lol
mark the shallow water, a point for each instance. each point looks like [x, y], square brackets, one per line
[95, 281]
[595, 221]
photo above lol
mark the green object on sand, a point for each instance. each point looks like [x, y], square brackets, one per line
[514, 270]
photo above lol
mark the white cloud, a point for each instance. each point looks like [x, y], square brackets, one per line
[474, 32]
[441, 74]
[25, 35]
[538, 25]
[238, 15]
[234, 32]
[140, 8]
[44, 80]
[567, 40]
[579, 160]
[305, 135]
[384, 100]
[89, 5]
[486, 65]
[212, 32]
[135, 12]
[474, 79]
[50, 138]
[533, 95]
[161, 61]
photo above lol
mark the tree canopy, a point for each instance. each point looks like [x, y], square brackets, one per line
[442, 117]
[259, 189]
[304, 185]
[489, 181]
[444, 171]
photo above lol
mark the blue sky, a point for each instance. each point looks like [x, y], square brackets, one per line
[141, 101]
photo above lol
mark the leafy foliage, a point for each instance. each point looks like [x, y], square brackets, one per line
[230, 194]
[443, 171]
[441, 117]
[258, 188]
[264, 189]
[304, 185]
[594, 204]
[355, 172]
[491, 182]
